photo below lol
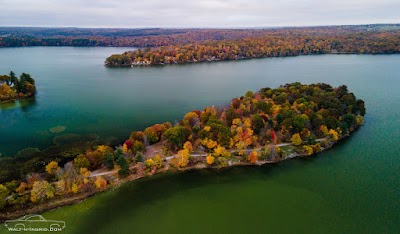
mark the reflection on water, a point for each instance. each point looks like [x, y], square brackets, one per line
[65, 148]
[27, 103]
[23, 104]
[9, 105]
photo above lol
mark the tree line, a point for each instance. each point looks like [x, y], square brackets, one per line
[156, 37]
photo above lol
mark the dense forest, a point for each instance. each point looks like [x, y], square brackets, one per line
[294, 112]
[274, 43]
[12, 87]
[156, 37]
[309, 118]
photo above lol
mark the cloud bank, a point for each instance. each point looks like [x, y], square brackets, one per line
[205, 13]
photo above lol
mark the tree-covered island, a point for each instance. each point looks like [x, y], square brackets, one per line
[268, 126]
[12, 87]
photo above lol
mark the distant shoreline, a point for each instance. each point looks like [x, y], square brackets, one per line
[132, 65]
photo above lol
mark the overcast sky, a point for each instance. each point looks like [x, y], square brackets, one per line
[196, 13]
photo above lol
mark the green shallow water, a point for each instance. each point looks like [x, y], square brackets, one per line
[351, 188]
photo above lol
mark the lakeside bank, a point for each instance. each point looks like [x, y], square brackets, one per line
[200, 165]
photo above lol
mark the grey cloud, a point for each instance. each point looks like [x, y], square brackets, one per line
[205, 13]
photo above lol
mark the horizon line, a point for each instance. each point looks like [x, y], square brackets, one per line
[194, 27]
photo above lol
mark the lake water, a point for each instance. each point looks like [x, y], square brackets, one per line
[352, 188]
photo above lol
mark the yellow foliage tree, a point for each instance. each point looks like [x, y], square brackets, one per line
[221, 151]
[239, 130]
[59, 187]
[210, 159]
[317, 148]
[308, 149]
[247, 122]
[207, 128]
[231, 143]
[74, 188]
[188, 146]
[149, 163]
[104, 149]
[324, 130]
[190, 115]
[241, 145]
[278, 150]
[183, 158]
[158, 161]
[333, 134]
[296, 139]
[52, 167]
[84, 172]
[100, 183]
[211, 144]
[125, 149]
[41, 190]
[237, 121]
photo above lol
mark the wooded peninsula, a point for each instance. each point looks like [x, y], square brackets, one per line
[242, 44]
[267, 126]
[13, 88]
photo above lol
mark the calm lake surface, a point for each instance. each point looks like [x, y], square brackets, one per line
[352, 188]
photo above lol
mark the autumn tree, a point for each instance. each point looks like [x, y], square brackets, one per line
[182, 159]
[333, 134]
[74, 188]
[158, 161]
[296, 139]
[324, 130]
[176, 136]
[149, 163]
[253, 157]
[100, 183]
[81, 161]
[21, 188]
[151, 135]
[222, 162]
[138, 147]
[188, 146]
[265, 152]
[96, 157]
[308, 149]
[210, 159]
[84, 172]
[59, 187]
[221, 152]
[52, 167]
[41, 190]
